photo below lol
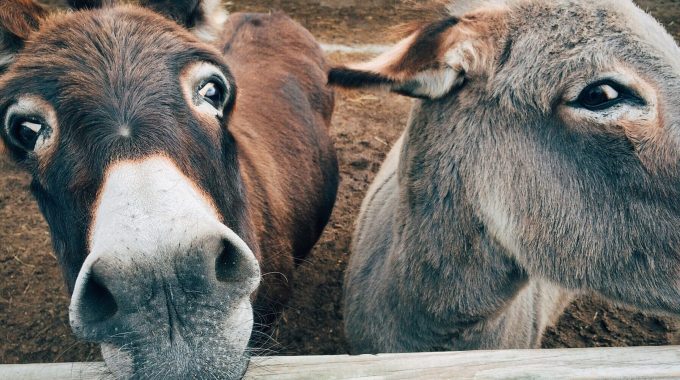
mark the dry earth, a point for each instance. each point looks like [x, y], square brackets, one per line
[33, 301]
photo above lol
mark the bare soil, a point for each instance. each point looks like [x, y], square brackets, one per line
[33, 300]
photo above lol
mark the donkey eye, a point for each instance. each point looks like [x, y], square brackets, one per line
[213, 93]
[25, 132]
[600, 96]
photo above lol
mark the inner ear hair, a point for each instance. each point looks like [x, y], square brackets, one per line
[434, 59]
[413, 67]
[425, 49]
[18, 19]
[419, 51]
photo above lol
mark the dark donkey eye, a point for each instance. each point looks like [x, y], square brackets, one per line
[214, 93]
[25, 132]
[601, 95]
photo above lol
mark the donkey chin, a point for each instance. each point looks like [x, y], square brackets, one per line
[213, 350]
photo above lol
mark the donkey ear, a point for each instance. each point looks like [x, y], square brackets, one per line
[90, 4]
[205, 18]
[18, 19]
[432, 61]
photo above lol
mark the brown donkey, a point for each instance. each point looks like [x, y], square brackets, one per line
[174, 168]
[542, 159]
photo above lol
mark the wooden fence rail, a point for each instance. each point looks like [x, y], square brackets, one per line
[588, 363]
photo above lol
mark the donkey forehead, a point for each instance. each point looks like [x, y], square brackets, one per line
[571, 23]
[89, 53]
[114, 78]
[109, 69]
[562, 41]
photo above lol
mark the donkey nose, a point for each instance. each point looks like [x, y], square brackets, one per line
[117, 288]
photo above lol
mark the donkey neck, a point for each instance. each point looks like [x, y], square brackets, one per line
[440, 246]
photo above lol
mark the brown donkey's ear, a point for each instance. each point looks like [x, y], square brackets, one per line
[433, 60]
[204, 18]
[18, 19]
[90, 4]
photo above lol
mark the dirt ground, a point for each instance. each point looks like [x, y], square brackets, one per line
[33, 300]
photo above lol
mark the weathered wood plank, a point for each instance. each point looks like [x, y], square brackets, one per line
[54, 371]
[591, 363]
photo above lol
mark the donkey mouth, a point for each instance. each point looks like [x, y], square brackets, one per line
[197, 346]
[178, 364]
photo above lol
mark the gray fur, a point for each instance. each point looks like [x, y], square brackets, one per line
[496, 206]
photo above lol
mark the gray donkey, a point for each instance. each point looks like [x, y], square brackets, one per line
[542, 160]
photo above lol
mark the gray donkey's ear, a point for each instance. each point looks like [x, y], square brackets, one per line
[432, 60]
[204, 18]
[18, 19]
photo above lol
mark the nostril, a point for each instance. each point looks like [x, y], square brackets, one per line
[228, 262]
[97, 303]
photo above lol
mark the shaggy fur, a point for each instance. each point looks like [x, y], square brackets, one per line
[505, 195]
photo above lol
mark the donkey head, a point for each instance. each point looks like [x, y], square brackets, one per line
[121, 115]
[558, 125]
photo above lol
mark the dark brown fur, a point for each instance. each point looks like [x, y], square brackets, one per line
[425, 48]
[17, 20]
